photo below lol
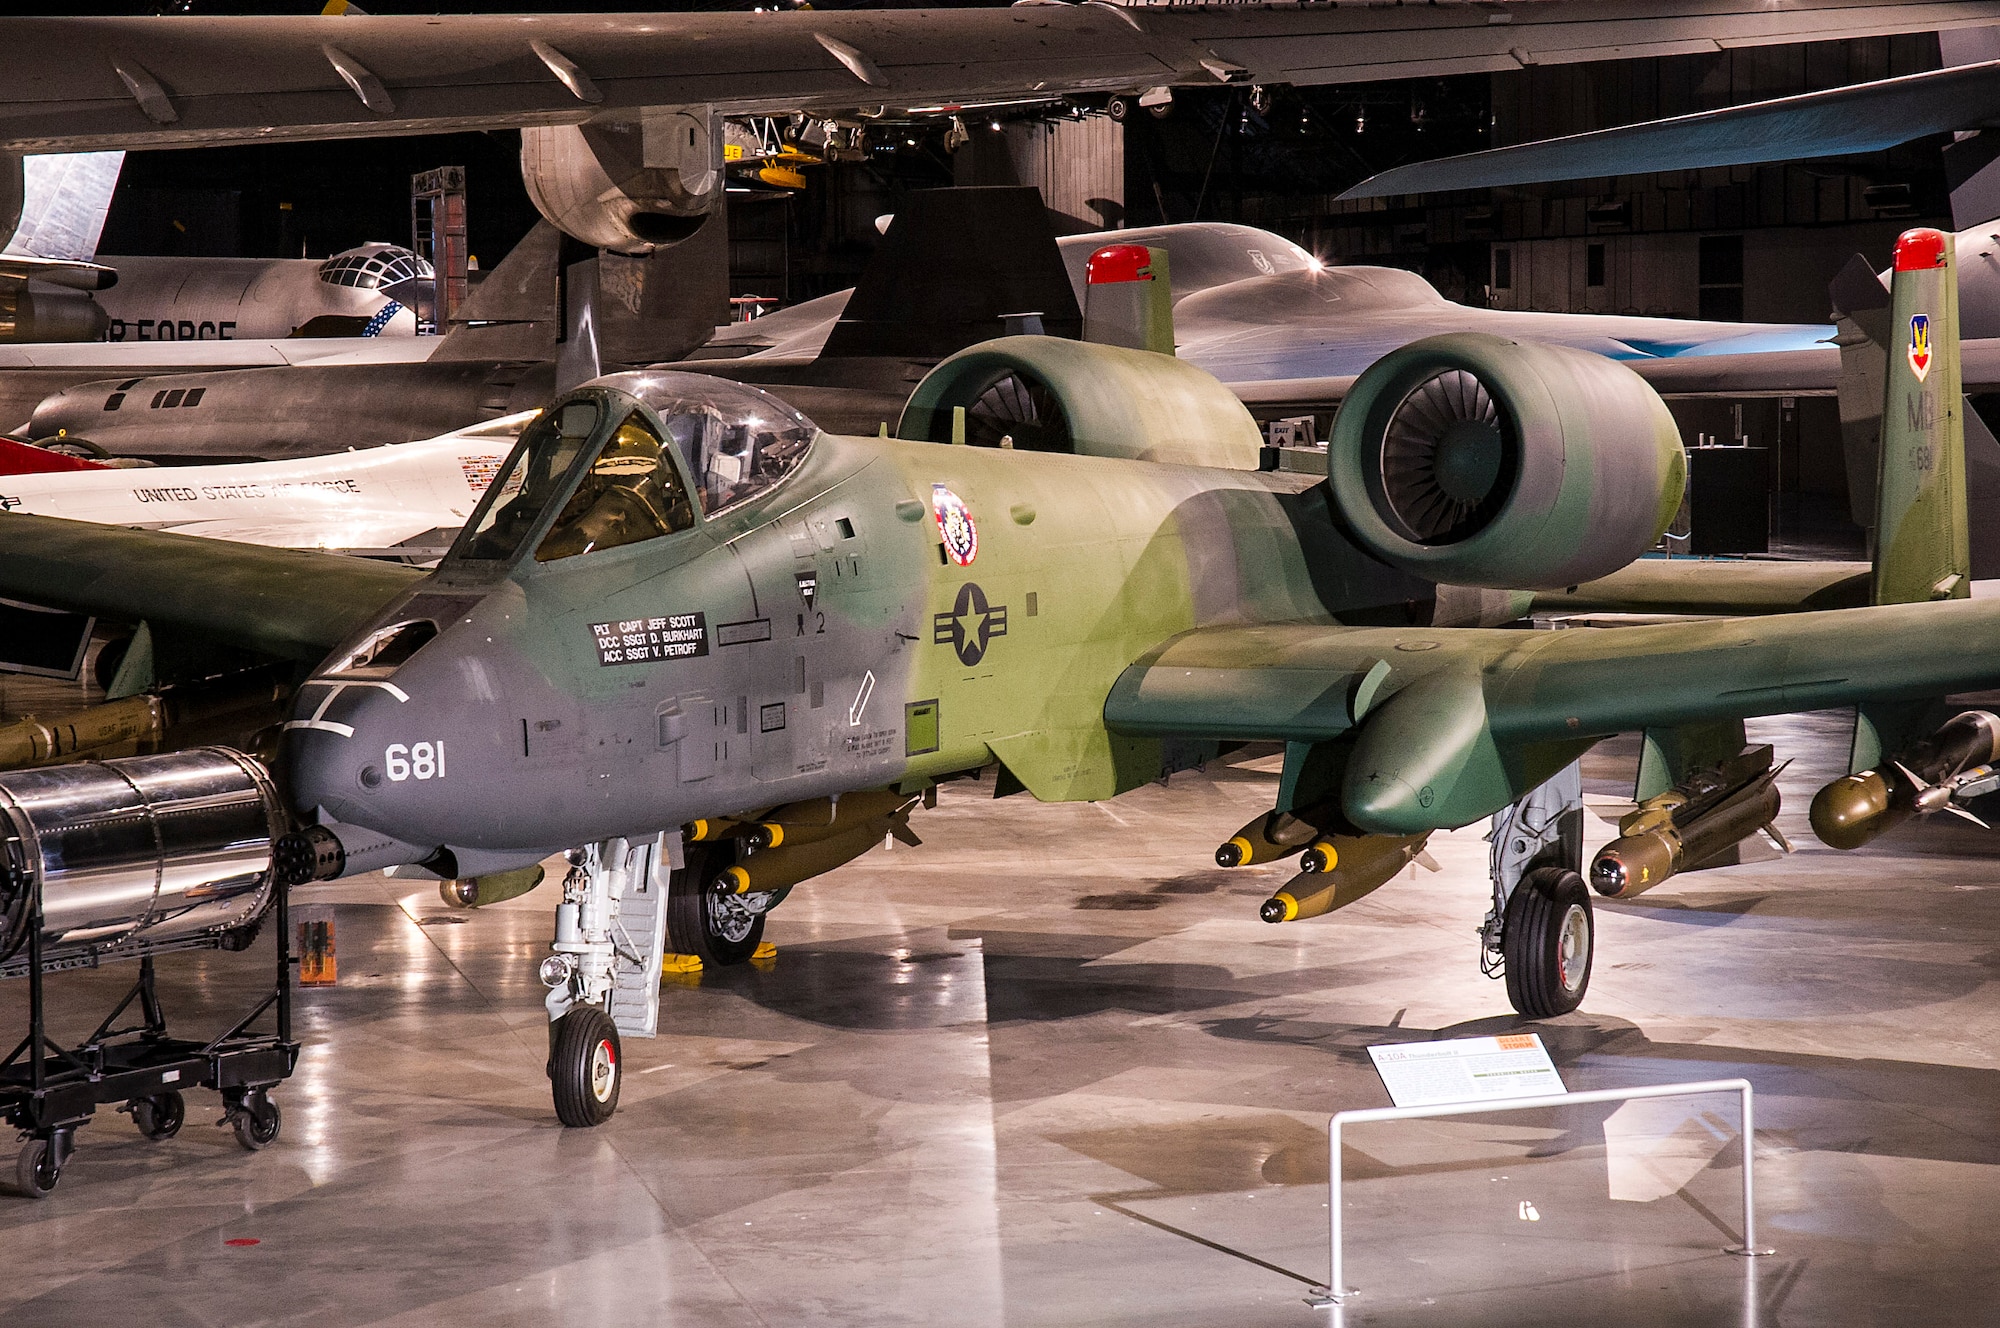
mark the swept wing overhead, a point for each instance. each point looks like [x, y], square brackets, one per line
[70, 84]
[1864, 117]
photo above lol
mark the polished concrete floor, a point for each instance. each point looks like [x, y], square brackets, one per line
[1049, 1069]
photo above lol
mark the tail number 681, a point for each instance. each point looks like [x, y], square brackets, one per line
[423, 761]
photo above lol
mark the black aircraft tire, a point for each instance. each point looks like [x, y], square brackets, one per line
[160, 1116]
[586, 1067]
[33, 1176]
[690, 927]
[1548, 941]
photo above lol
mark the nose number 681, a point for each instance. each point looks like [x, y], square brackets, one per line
[423, 761]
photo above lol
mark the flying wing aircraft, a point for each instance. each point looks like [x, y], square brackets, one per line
[1263, 315]
[713, 651]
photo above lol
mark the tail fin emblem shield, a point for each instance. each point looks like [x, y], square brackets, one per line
[1920, 345]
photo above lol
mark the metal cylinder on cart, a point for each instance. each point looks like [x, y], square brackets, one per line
[143, 851]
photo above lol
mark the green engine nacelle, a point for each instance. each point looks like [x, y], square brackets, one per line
[1479, 461]
[1049, 394]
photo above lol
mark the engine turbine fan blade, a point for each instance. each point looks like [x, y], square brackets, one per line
[1448, 460]
[1022, 409]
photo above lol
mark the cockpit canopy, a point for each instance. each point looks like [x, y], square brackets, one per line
[373, 266]
[610, 467]
[736, 441]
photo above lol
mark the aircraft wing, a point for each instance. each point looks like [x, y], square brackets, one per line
[1714, 589]
[69, 84]
[1863, 117]
[284, 602]
[1450, 726]
[72, 272]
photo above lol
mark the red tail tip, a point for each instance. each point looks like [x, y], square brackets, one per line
[1920, 250]
[18, 458]
[1119, 262]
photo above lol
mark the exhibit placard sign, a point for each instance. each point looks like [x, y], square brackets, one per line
[1424, 1074]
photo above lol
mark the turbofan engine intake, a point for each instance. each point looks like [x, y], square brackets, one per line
[1051, 394]
[1479, 461]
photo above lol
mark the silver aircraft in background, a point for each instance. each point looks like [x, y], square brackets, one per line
[55, 287]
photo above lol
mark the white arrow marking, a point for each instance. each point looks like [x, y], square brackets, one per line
[861, 701]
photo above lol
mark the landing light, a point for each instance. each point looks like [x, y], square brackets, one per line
[555, 971]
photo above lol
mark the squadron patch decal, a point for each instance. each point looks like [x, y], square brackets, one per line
[1920, 345]
[955, 526]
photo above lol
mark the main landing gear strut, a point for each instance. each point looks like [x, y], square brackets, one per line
[1540, 932]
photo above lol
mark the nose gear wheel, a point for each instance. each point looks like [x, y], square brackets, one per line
[586, 1066]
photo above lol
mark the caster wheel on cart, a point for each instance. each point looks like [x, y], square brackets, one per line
[704, 924]
[36, 1170]
[160, 1116]
[1548, 943]
[258, 1121]
[584, 1066]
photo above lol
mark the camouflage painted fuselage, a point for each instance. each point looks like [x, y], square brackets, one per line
[821, 638]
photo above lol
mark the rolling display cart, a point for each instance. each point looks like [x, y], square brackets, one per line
[134, 859]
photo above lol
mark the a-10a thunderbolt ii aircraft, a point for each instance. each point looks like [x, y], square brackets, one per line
[712, 651]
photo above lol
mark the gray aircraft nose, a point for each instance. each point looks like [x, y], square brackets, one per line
[348, 742]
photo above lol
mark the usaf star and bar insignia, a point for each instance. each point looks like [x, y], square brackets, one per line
[970, 626]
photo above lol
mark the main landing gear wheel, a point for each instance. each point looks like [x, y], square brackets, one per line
[703, 923]
[1547, 942]
[585, 1066]
[257, 1121]
[160, 1116]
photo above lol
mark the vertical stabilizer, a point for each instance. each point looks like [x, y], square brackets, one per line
[1921, 549]
[64, 199]
[1128, 298]
[958, 266]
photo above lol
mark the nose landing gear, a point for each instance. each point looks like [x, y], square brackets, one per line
[603, 972]
[585, 1068]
